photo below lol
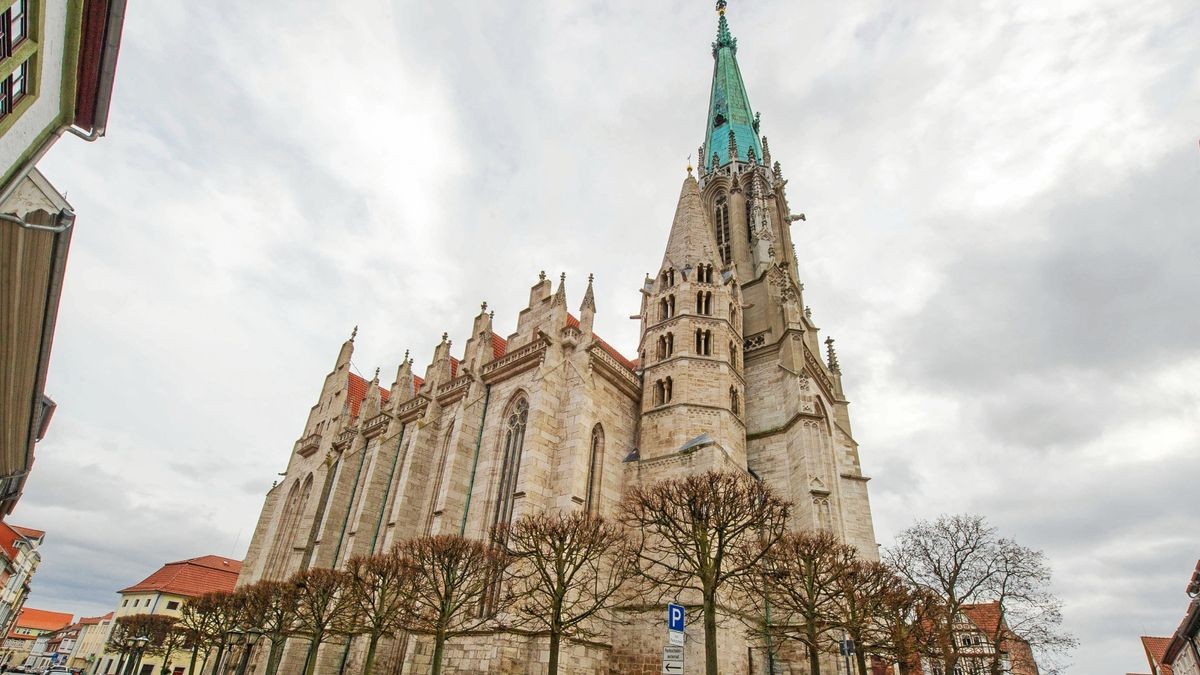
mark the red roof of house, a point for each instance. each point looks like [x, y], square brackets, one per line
[40, 619]
[986, 616]
[358, 393]
[1155, 648]
[93, 620]
[191, 578]
[28, 532]
[573, 322]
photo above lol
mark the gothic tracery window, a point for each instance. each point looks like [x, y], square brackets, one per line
[721, 221]
[595, 471]
[510, 467]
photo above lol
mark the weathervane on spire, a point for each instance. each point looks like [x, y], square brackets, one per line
[721, 4]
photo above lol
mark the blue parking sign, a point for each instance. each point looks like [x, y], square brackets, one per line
[674, 617]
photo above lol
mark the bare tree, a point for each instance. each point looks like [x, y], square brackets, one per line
[453, 576]
[964, 561]
[381, 590]
[804, 577]
[862, 587]
[196, 619]
[1029, 616]
[152, 630]
[703, 533]
[227, 615]
[322, 605]
[567, 570]
[954, 556]
[906, 616]
[271, 608]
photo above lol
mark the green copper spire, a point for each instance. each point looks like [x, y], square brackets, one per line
[728, 106]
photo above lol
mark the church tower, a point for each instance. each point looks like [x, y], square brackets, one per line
[733, 371]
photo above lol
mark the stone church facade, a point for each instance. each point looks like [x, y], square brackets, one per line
[729, 375]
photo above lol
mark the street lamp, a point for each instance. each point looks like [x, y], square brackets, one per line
[250, 637]
[137, 646]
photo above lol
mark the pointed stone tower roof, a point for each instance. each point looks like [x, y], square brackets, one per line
[731, 123]
[692, 240]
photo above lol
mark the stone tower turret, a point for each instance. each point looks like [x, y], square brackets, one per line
[692, 383]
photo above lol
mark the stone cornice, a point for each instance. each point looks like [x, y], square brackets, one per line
[613, 371]
[376, 425]
[344, 439]
[308, 445]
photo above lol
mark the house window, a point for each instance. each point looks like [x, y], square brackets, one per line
[721, 220]
[14, 88]
[18, 23]
[173, 605]
[125, 603]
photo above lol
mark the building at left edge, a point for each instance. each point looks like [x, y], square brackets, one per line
[57, 64]
[19, 559]
[26, 644]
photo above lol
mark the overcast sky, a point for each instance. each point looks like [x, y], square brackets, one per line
[1002, 204]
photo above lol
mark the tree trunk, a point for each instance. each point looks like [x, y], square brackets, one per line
[710, 633]
[310, 662]
[369, 662]
[192, 663]
[274, 654]
[904, 667]
[220, 653]
[554, 644]
[814, 658]
[439, 646]
[861, 657]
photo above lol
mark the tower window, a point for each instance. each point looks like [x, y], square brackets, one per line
[733, 401]
[704, 303]
[668, 278]
[666, 345]
[666, 307]
[733, 354]
[667, 390]
[721, 220]
[703, 342]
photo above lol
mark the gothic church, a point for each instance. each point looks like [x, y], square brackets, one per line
[729, 375]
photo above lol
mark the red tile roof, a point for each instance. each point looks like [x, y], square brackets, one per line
[92, 620]
[40, 619]
[191, 578]
[358, 393]
[418, 382]
[29, 532]
[499, 346]
[453, 367]
[1155, 648]
[573, 322]
[986, 616]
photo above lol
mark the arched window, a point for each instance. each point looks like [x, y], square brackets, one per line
[510, 467]
[666, 307]
[666, 346]
[659, 392]
[668, 277]
[721, 221]
[733, 317]
[704, 303]
[285, 536]
[823, 513]
[703, 342]
[733, 401]
[667, 390]
[733, 354]
[595, 471]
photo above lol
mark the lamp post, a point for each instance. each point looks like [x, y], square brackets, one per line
[234, 637]
[249, 638]
[136, 646]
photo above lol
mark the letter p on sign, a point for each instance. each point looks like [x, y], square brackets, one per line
[674, 617]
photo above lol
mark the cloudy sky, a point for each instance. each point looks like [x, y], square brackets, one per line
[1002, 204]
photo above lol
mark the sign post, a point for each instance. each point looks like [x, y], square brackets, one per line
[673, 652]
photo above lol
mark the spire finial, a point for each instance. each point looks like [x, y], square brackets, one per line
[483, 306]
[445, 336]
[542, 275]
[406, 355]
[591, 277]
[354, 333]
[562, 278]
[376, 373]
[721, 5]
[833, 361]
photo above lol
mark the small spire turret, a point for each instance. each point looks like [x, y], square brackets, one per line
[831, 356]
[587, 309]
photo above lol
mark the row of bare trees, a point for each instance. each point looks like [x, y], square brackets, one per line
[717, 541]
